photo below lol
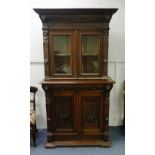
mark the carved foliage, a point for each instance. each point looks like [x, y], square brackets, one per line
[91, 117]
[63, 116]
[63, 110]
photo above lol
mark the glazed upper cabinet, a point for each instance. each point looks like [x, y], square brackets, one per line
[76, 84]
[75, 53]
[75, 42]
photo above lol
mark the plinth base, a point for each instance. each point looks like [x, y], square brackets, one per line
[77, 143]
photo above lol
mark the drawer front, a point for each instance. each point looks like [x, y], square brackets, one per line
[62, 88]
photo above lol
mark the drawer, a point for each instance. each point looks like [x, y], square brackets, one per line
[73, 87]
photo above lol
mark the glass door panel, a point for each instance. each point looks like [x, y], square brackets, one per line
[62, 46]
[62, 53]
[90, 50]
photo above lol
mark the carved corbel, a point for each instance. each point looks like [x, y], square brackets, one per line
[107, 18]
[44, 18]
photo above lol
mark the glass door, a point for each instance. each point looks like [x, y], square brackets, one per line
[90, 50]
[61, 51]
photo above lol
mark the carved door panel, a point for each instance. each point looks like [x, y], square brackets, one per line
[64, 111]
[91, 114]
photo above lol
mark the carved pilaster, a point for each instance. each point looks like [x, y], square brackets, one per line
[105, 47]
[46, 52]
[106, 30]
[106, 98]
[106, 110]
[106, 34]
[106, 93]
[48, 96]
[45, 36]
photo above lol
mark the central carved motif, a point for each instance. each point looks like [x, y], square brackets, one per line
[63, 116]
[91, 117]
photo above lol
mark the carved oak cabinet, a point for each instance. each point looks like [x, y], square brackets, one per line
[76, 83]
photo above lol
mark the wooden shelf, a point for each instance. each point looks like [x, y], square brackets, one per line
[90, 55]
[62, 55]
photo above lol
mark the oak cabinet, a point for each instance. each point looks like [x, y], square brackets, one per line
[76, 83]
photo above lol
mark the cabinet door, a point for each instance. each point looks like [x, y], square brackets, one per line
[91, 114]
[64, 112]
[62, 53]
[90, 53]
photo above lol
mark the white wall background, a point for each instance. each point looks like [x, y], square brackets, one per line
[116, 59]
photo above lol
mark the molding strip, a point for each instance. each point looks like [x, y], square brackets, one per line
[41, 62]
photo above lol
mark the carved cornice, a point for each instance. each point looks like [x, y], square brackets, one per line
[75, 18]
[69, 26]
[99, 15]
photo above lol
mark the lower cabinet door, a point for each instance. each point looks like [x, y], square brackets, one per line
[64, 116]
[92, 117]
